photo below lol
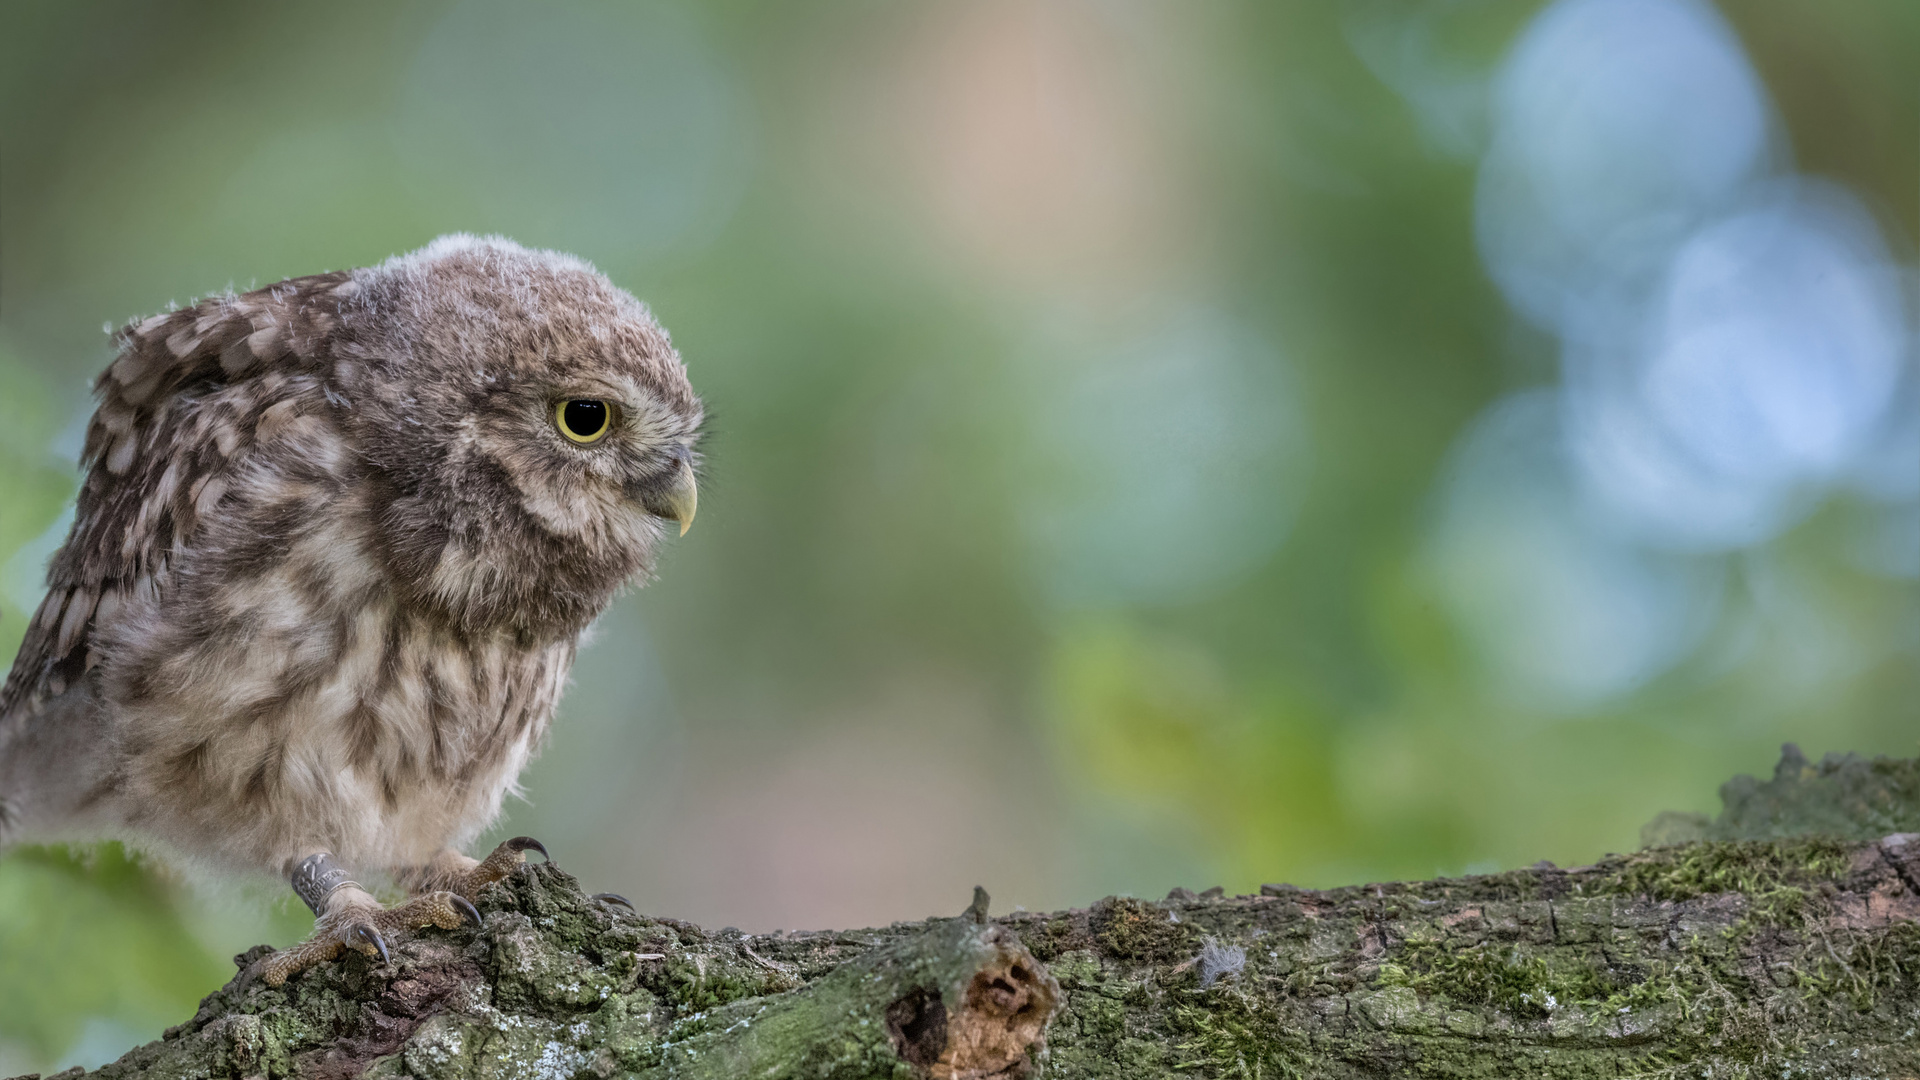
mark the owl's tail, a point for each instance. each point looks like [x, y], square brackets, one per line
[55, 766]
[9, 813]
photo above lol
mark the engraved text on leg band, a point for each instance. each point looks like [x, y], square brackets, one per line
[316, 876]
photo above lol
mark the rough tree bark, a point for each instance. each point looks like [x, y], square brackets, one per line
[1750, 949]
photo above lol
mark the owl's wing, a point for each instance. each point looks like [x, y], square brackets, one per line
[178, 408]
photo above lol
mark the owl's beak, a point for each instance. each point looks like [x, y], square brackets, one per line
[678, 499]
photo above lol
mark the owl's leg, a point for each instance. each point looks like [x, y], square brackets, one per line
[346, 917]
[465, 875]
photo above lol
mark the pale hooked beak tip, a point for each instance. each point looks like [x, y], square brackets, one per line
[678, 502]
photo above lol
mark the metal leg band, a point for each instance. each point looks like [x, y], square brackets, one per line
[316, 877]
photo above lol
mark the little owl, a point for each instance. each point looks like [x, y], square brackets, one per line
[335, 548]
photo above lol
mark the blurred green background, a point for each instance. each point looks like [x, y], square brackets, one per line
[1153, 444]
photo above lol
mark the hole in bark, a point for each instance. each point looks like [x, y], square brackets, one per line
[1002, 996]
[1006, 1012]
[917, 1024]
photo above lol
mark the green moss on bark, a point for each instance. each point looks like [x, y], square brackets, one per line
[1729, 957]
[1748, 958]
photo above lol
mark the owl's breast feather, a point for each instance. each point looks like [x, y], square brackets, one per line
[304, 706]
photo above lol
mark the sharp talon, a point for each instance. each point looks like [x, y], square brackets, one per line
[467, 910]
[372, 937]
[522, 843]
[616, 898]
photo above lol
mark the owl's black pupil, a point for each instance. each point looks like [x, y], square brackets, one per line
[585, 417]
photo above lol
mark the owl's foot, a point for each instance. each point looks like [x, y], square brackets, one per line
[355, 920]
[467, 876]
[503, 860]
[510, 854]
[453, 871]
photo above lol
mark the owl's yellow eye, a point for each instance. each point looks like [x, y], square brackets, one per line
[583, 420]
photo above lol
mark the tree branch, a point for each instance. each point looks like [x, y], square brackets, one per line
[1722, 957]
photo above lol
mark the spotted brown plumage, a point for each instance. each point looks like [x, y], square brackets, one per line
[330, 562]
[176, 406]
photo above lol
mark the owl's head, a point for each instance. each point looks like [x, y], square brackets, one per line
[530, 425]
